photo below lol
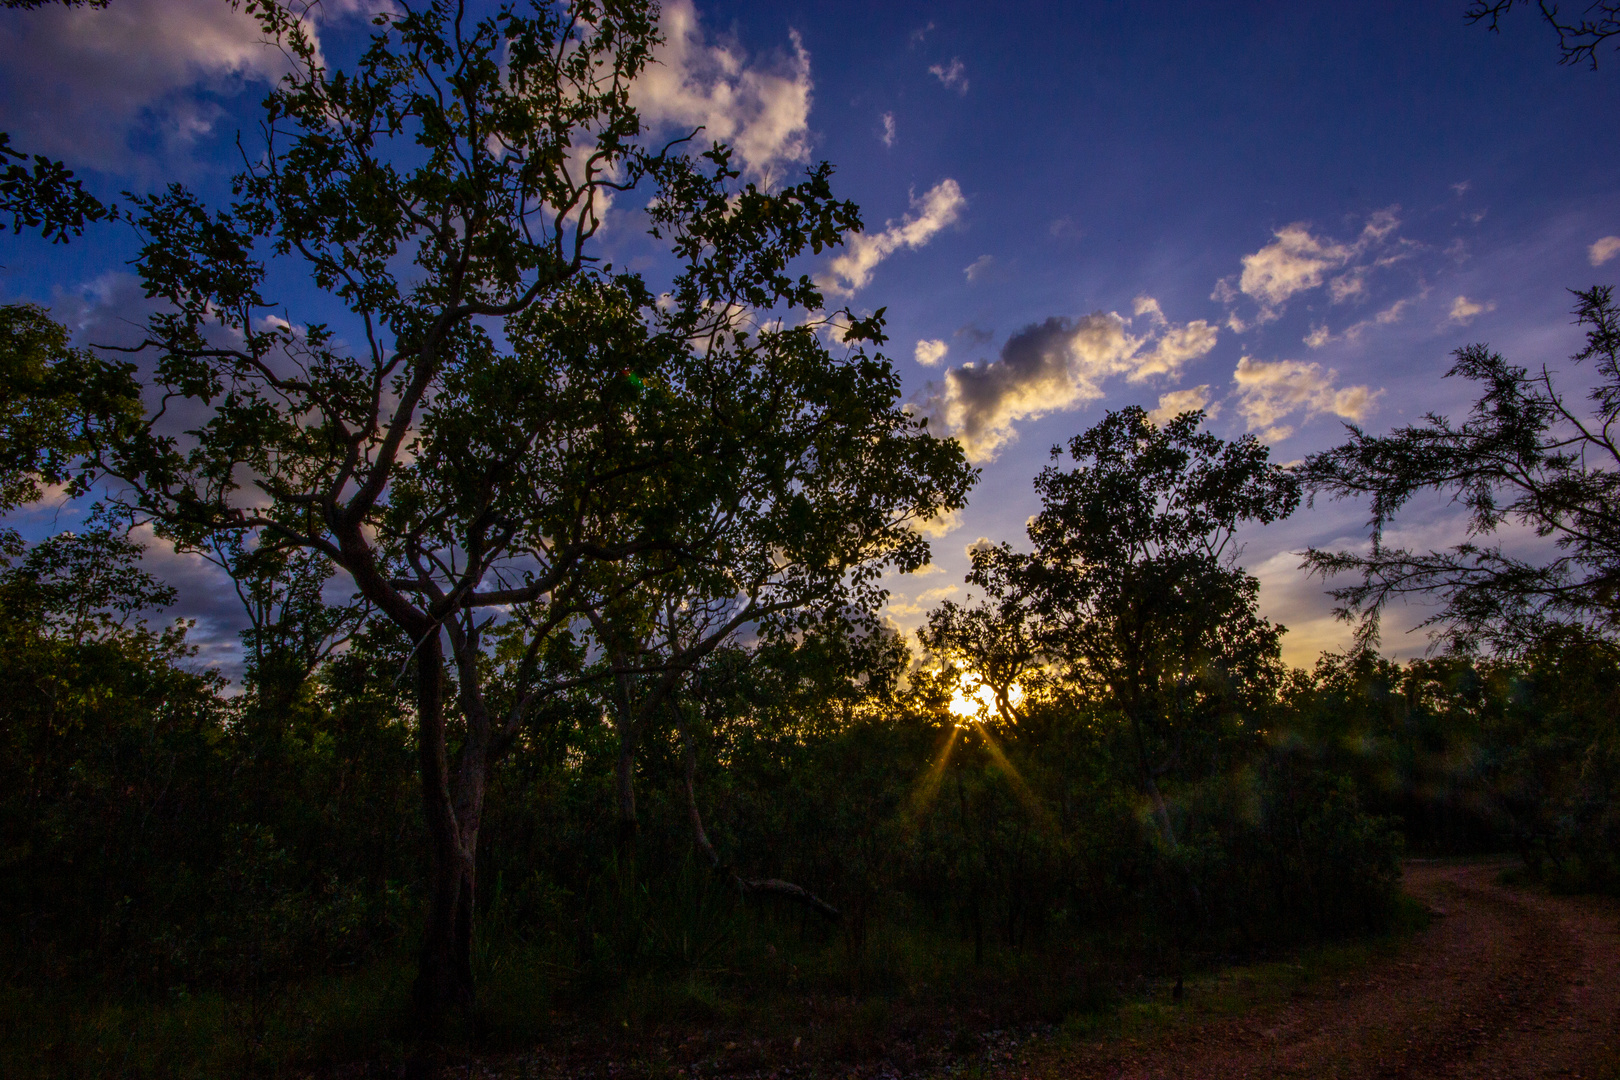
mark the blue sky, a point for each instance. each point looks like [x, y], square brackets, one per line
[1288, 213]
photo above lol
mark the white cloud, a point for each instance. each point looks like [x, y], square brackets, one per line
[927, 569]
[762, 110]
[1348, 286]
[1461, 187]
[1463, 310]
[888, 129]
[1174, 347]
[1603, 250]
[78, 83]
[939, 208]
[922, 601]
[1320, 335]
[983, 543]
[930, 352]
[1294, 262]
[1394, 312]
[979, 267]
[1060, 364]
[1270, 392]
[1176, 402]
[939, 525]
[952, 75]
[1297, 261]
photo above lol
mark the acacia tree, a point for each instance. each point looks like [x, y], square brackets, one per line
[1524, 456]
[1131, 595]
[502, 415]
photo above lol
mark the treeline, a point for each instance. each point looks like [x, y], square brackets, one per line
[161, 833]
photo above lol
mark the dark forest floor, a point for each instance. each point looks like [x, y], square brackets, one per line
[1505, 981]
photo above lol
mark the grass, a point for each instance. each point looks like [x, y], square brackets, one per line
[100, 1032]
[733, 990]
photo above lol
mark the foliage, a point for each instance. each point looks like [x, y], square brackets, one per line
[617, 551]
[1524, 457]
[57, 405]
[1130, 596]
[47, 197]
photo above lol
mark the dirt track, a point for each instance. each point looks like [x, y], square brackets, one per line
[1504, 983]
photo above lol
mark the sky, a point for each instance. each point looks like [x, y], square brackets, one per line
[1289, 215]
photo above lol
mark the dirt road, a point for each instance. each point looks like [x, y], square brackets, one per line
[1504, 983]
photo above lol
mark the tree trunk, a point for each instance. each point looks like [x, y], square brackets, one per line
[1161, 809]
[625, 784]
[444, 982]
[766, 886]
[629, 828]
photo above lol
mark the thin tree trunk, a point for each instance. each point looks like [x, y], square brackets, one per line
[1161, 809]
[766, 886]
[625, 784]
[444, 978]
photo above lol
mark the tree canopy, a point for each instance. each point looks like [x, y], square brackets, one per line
[1130, 592]
[1524, 459]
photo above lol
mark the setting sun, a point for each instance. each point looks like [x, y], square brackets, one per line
[973, 698]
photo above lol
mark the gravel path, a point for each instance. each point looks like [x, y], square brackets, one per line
[1504, 983]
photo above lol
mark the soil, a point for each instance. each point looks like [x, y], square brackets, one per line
[1505, 982]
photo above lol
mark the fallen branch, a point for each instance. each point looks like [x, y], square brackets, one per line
[763, 886]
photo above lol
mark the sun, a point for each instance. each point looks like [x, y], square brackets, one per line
[972, 699]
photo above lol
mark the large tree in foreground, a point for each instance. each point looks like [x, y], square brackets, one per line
[1525, 461]
[1130, 593]
[504, 434]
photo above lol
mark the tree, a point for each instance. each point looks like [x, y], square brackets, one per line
[1131, 595]
[507, 433]
[47, 197]
[57, 405]
[1523, 457]
[1578, 40]
[105, 747]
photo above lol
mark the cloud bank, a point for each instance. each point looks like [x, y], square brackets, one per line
[86, 84]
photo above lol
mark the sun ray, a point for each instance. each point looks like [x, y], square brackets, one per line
[1015, 779]
[928, 786]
